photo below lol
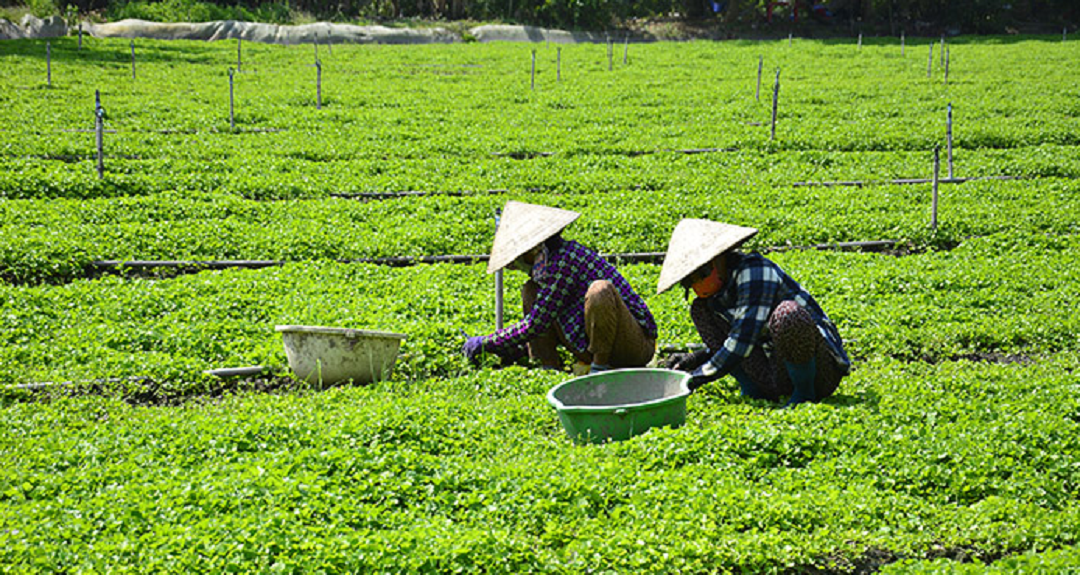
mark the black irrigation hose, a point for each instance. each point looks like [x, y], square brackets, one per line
[850, 183]
[418, 193]
[221, 372]
[905, 181]
[37, 386]
[119, 266]
[449, 194]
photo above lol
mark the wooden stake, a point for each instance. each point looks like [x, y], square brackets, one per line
[775, 101]
[860, 40]
[902, 43]
[80, 35]
[532, 82]
[318, 85]
[232, 102]
[99, 129]
[498, 285]
[48, 63]
[760, 62]
[948, 139]
[498, 300]
[558, 64]
[930, 61]
[626, 49]
[934, 205]
[133, 59]
[947, 64]
[942, 49]
[239, 41]
[609, 53]
[789, 39]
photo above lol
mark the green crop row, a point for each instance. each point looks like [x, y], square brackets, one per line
[990, 297]
[57, 240]
[449, 117]
[299, 175]
[908, 462]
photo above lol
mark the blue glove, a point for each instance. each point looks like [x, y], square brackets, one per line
[473, 347]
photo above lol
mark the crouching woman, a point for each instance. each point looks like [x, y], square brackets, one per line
[757, 323]
[573, 298]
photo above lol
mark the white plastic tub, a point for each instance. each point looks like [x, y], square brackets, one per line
[331, 355]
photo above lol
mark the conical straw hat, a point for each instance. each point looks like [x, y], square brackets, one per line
[693, 244]
[522, 227]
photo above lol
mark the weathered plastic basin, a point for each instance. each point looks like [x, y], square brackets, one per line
[331, 355]
[619, 404]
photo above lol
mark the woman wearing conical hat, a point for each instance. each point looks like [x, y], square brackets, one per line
[573, 298]
[757, 324]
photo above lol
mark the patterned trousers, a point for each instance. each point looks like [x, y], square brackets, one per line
[795, 338]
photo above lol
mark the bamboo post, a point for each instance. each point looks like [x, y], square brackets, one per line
[626, 49]
[860, 40]
[558, 64]
[329, 40]
[947, 64]
[789, 38]
[1064, 33]
[934, 204]
[48, 63]
[80, 35]
[760, 62]
[609, 54]
[132, 59]
[498, 285]
[902, 44]
[232, 102]
[239, 42]
[930, 61]
[532, 81]
[942, 50]
[775, 100]
[99, 130]
[318, 85]
[948, 139]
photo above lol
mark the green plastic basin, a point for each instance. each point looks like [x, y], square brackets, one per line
[619, 404]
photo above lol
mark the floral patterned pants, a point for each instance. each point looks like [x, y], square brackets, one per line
[795, 339]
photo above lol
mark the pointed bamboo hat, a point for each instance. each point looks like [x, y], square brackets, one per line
[522, 227]
[693, 244]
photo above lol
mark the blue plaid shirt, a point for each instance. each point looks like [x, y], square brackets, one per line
[754, 289]
[563, 276]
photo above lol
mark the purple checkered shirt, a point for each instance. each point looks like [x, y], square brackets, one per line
[563, 279]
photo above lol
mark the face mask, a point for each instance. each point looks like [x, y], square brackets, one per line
[539, 261]
[521, 266]
[709, 285]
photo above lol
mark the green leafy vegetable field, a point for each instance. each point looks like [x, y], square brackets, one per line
[954, 446]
